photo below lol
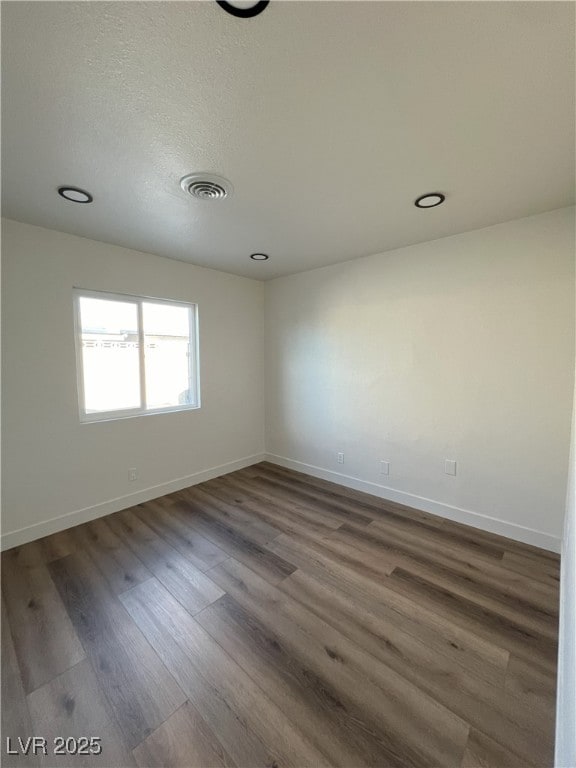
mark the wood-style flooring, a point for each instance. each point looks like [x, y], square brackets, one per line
[270, 619]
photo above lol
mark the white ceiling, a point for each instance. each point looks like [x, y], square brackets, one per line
[329, 119]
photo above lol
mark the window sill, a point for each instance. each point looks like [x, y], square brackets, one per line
[111, 416]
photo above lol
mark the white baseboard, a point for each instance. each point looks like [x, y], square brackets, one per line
[60, 523]
[465, 516]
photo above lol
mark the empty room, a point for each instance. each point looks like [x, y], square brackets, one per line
[288, 384]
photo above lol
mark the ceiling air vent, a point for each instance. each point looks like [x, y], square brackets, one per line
[206, 186]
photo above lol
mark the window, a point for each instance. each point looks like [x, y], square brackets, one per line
[134, 355]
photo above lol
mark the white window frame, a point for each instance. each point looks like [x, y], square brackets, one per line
[138, 301]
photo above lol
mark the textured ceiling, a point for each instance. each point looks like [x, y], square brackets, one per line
[329, 118]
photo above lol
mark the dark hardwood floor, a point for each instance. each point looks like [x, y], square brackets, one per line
[270, 619]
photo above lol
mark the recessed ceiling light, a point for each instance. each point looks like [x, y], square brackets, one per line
[430, 200]
[75, 195]
[242, 10]
[259, 256]
[206, 186]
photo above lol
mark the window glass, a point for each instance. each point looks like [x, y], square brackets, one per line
[167, 355]
[109, 355]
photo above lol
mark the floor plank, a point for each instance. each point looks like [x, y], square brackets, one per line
[309, 561]
[71, 706]
[492, 577]
[544, 571]
[342, 511]
[253, 497]
[447, 676]
[258, 557]
[312, 705]
[530, 644]
[42, 551]
[526, 608]
[201, 552]
[233, 514]
[16, 722]
[120, 567]
[139, 691]
[535, 686]
[191, 586]
[484, 752]
[150, 602]
[45, 641]
[235, 735]
[183, 740]
[384, 702]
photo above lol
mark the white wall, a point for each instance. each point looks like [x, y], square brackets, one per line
[53, 465]
[566, 707]
[461, 348]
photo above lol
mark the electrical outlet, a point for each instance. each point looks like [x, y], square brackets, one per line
[340, 458]
[133, 473]
[384, 467]
[450, 467]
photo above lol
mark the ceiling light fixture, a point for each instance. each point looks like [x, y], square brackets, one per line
[206, 186]
[75, 195]
[259, 257]
[430, 200]
[243, 12]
